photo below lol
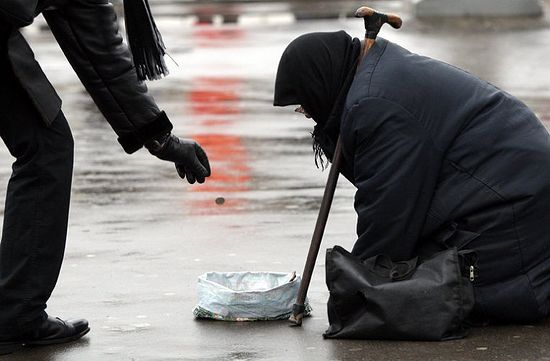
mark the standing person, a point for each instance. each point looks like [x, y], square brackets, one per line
[440, 159]
[36, 133]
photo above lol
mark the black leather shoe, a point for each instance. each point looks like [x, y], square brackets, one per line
[55, 330]
[51, 331]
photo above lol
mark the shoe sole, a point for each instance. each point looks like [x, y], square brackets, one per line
[56, 341]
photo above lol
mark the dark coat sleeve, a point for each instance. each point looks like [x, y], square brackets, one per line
[396, 166]
[88, 33]
[19, 13]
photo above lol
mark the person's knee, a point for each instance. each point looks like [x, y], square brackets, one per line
[47, 150]
[58, 144]
[65, 144]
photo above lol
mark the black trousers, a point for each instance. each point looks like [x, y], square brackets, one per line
[36, 209]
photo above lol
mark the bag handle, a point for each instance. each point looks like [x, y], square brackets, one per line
[383, 266]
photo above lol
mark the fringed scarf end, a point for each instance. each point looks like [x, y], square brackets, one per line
[145, 40]
[321, 160]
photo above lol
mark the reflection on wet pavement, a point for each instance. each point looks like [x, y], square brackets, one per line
[212, 37]
[217, 100]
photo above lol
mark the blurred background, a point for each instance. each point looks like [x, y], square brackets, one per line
[231, 11]
[139, 236]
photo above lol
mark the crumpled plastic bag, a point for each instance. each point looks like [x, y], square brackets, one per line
[247, 296]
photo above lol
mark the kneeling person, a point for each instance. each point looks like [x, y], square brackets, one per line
[440, 159]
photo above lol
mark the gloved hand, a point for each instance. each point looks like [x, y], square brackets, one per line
[190, 159]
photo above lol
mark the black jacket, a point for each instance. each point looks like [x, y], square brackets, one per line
[87, 31]
[441, 158]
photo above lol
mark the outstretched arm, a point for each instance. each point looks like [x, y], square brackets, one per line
[88, 33]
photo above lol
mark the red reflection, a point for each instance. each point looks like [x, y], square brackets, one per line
[216, 101]
[210, 36]
[214, 96]
[228, 155]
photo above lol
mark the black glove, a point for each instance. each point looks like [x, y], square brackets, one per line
[190, 159]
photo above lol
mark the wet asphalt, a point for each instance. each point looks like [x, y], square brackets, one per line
[139, 236]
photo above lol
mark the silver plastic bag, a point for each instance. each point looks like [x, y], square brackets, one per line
[247, 296]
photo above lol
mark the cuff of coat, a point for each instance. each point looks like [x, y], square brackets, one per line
[132, 142]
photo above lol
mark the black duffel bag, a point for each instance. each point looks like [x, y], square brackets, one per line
[413, 300]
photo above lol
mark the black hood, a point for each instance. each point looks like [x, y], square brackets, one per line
[316, 71]
[313, 70]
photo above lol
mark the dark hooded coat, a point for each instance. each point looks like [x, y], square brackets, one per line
[441, 158]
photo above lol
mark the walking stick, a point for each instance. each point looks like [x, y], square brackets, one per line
[373, 23]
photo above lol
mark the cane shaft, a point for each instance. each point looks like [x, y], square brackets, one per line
[321, 223]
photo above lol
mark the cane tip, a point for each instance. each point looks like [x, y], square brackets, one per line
[296, 320]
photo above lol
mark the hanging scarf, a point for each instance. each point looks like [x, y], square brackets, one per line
[316, 71]
[144, 40]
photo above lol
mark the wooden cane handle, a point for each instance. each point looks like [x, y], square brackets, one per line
[365, 12]
[394, 20]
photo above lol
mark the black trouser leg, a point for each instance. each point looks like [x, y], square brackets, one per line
[36, 210]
